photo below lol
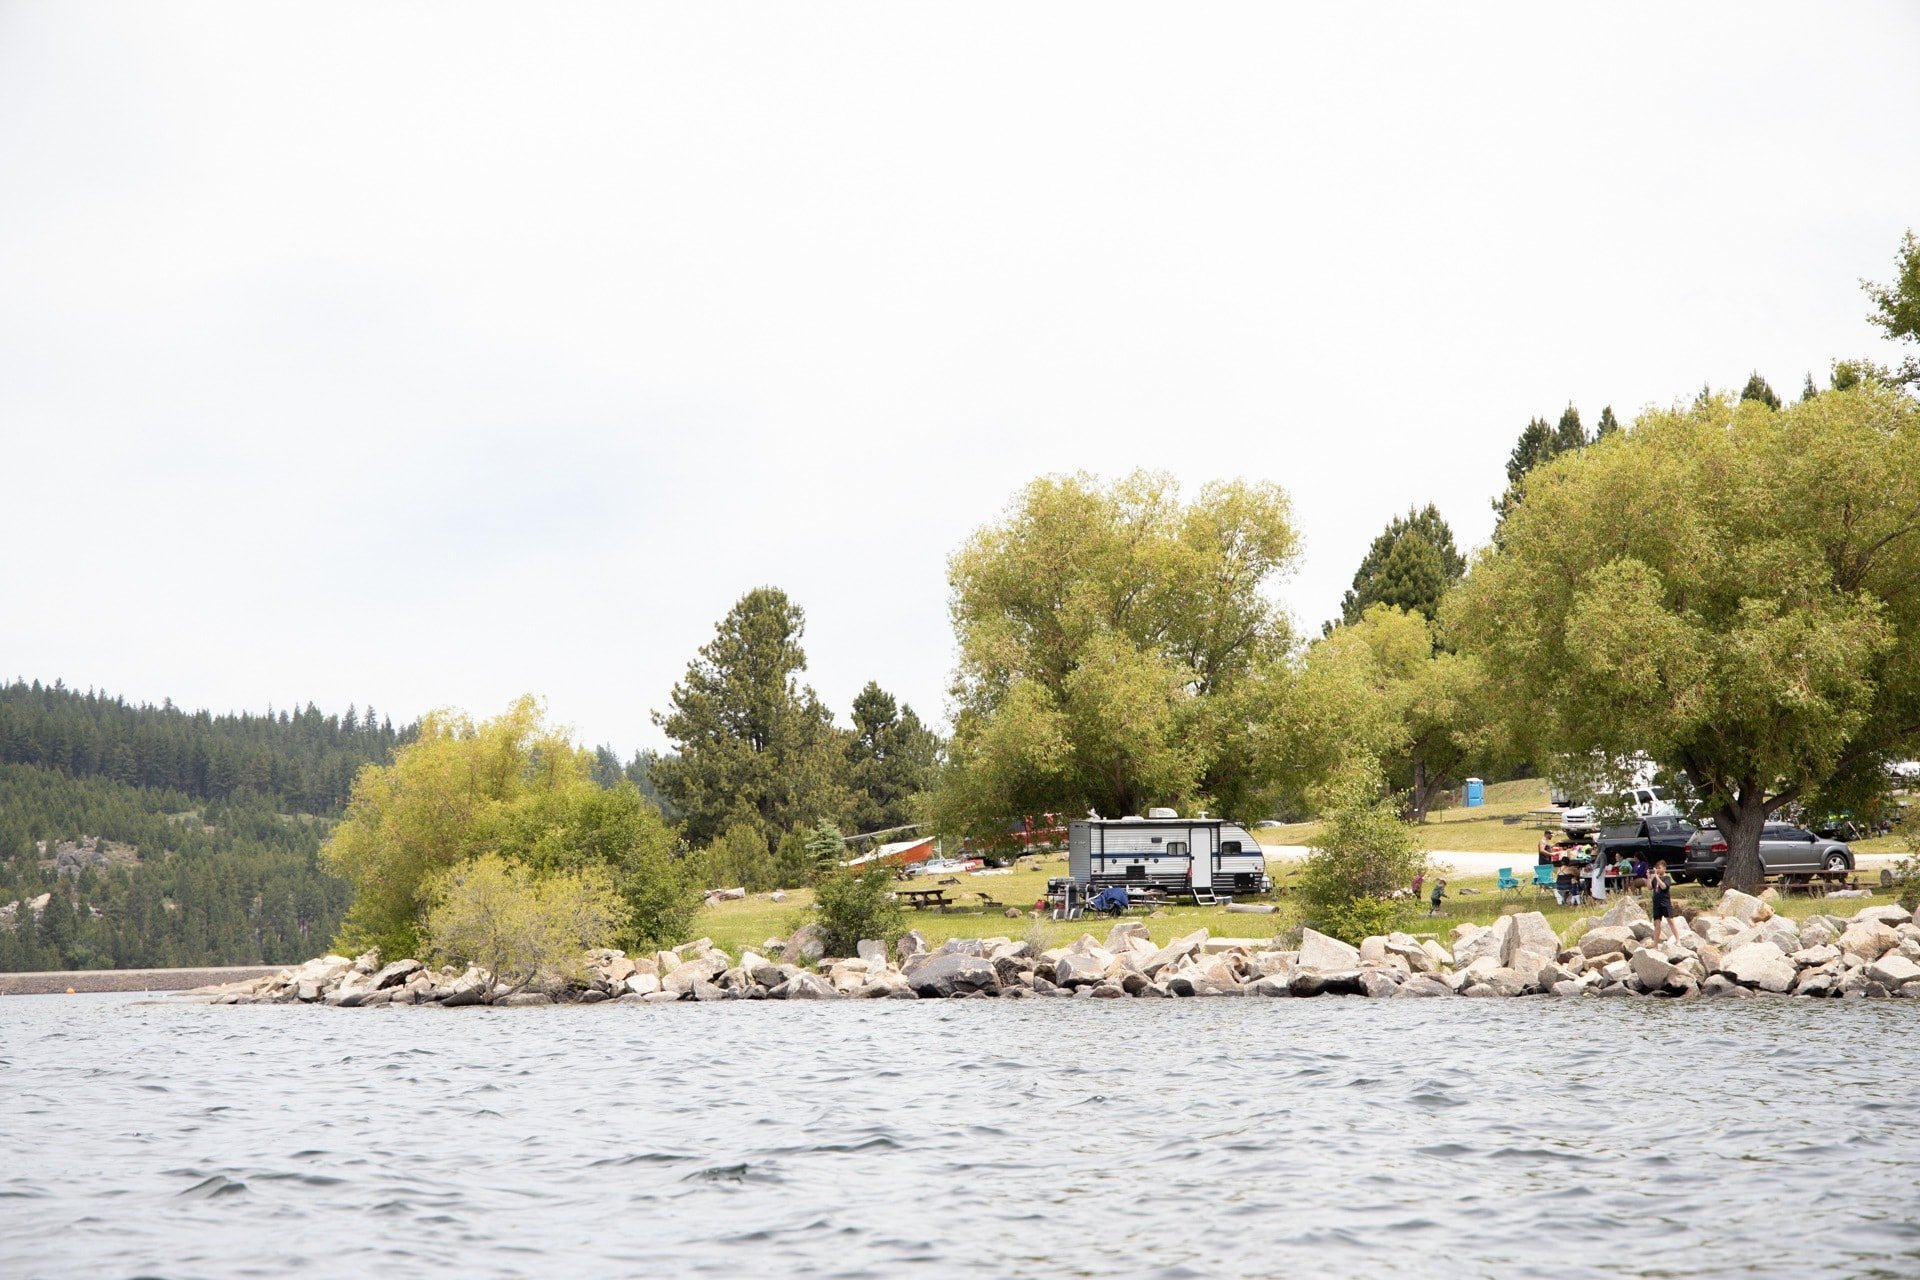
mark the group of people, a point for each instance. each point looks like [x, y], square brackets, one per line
[1581, 871]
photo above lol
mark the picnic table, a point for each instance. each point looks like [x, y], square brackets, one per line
[921, 899]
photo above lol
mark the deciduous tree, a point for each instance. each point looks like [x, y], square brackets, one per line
[1118, 647]
[1896, 306]
[1733, 590]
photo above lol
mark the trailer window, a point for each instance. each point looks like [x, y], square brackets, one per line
[1176, 846]
[1229, 846]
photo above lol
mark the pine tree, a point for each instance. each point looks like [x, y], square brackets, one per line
[1757, 389]
[1607, 425]
[1809, 391]
[752, 742]
[1569, 435]
[1415, 578]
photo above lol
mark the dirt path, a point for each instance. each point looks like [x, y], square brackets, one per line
[90, 980]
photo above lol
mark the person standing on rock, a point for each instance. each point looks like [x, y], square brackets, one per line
[1662, 885]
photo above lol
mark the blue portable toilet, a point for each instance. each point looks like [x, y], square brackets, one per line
[1476, 793]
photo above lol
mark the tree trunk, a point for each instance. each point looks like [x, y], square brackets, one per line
[1420, 798]
[1740, 821]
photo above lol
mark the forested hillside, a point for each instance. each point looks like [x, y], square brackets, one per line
[137, 836]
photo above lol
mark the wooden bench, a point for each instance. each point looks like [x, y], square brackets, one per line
[1813, 883]
[922, 899]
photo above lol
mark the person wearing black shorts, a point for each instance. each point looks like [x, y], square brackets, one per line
[1662, 886]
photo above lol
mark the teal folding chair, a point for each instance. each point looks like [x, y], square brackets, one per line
[1543, 879]
[1508, 883]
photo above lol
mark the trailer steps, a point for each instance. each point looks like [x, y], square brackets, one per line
[1204, 897]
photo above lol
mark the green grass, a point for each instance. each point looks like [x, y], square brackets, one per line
[736, 926]
[1481, 829]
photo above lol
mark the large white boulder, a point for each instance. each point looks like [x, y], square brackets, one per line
[1488, 943]
[1743, 907]
[1318, 951]
[1869, 939]
[1890, 914]
[1893, 969]
[1758, 964]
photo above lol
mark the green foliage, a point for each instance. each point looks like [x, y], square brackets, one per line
[752, 743]
[1117, 648]
[1538, 444]
[1607, 425]
[515, 921]
[1365, 853]
[1758, 390]
[890, 761]
[1849, 374]
[513, 787]
[852, 906]
[293, 761]
[825, 847]
[1412, 706]
[1410, 565]
[739, 857]
[1770, 657]
[1896, 306]
[793, 865]
[1568, 435]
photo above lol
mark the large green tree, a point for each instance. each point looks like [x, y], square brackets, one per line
[1118, 648]
[751, 742]
[890, 760]
[1732, 589]
[1538, 444]
[1426, 724]
[1410, 565]
[512, 787]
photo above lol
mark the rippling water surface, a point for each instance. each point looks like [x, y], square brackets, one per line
[1048, 1138]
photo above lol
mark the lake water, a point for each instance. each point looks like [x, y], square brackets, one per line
[880, 1138]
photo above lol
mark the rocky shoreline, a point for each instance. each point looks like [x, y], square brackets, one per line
[1738, 948]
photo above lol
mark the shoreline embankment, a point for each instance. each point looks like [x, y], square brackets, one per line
[55, 982]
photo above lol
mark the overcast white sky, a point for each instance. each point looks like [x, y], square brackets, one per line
[428, 354]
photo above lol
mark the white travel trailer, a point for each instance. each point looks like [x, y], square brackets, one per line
[1203, 855]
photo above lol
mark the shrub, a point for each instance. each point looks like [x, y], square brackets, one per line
[739, 856]
[1366, 853]
[854, 905]
[514, 922]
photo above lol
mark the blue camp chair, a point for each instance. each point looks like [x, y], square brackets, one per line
[1508, 884]
[1543, 879]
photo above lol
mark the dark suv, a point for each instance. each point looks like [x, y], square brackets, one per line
[1691, 853]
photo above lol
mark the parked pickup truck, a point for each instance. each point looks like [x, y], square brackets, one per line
[1691, 853]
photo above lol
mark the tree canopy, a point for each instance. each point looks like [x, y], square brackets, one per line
[1413, 707]
[890, 761]
[1732, 589]
[1896, 306]
[513, 787]
[1410, 565]
[1117, 648]
[752, 743]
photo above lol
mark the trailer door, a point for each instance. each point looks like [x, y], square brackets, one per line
[1201, 857]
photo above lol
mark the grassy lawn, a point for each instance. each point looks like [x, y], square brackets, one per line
[1482, 829]
[737, 926]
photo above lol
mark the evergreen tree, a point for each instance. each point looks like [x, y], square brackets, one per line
[1414, 578]
[752, 743]
[890, 760]
[1757, 389]
[1809, 391]
[1569, 435]
[1607, 425]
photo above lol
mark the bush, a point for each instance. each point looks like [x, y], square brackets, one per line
[854, 905]
[514, 922]
[739, 856]
[1366, 853]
